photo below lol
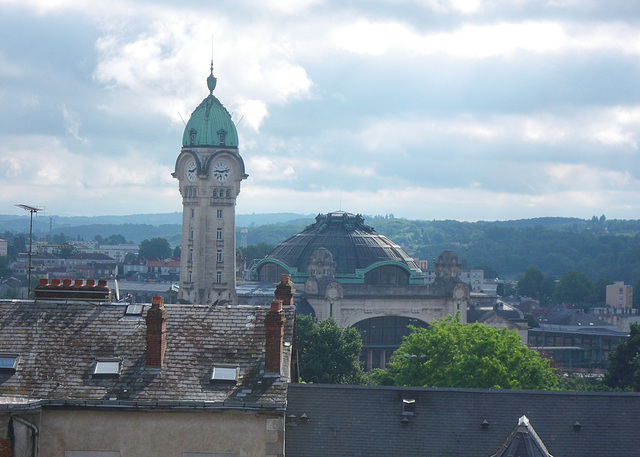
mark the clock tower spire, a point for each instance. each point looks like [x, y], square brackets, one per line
[209, 170]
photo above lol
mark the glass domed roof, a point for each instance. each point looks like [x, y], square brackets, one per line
[352, 244]
[210, 124]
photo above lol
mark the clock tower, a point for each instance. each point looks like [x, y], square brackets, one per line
[209, 170]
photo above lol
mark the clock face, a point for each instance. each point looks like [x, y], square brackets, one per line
[221, 171]
[190, 171]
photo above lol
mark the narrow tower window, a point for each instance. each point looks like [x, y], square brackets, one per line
[219, 277]
[219, 234]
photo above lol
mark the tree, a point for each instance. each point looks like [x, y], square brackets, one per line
[636, 294]
[599, 297]
[452, 354]
[327, 353]
[66, 250]
[573, 287]
[530, 285]
[624, 362]
[155, 247]
[256, 251]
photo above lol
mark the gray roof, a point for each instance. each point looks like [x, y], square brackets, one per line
[352, 421]
[58, 344]
[352, 244]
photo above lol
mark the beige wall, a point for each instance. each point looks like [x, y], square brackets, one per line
[619, 295]
[167, 434]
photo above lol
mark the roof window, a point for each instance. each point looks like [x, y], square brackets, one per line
[8, 362]
[133, 310]
[224, 373]
[107, 367]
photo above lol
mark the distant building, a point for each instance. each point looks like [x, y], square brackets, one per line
[4, 246]
[345, 270]
[117, 252]
[473, 278]
[575, 340]
[619, 295]
[209, 170]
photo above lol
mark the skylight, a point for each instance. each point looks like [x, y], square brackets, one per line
[133, 310]
[107, 367]
[8, 362]
[226, 373]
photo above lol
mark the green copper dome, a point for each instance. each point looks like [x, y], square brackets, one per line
[210, 124]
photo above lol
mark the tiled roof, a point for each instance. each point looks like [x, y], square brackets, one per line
[523, 442]
[58, 344]
[367, 421]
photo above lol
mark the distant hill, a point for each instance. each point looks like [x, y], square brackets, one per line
[134, 227]
[598, 247]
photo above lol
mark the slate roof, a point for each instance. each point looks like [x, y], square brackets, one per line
[523, 442]
[355, 421]
[59, 342]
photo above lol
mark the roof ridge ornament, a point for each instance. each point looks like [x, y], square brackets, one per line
[211, 80]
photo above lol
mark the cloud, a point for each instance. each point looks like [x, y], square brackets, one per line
[421, 108]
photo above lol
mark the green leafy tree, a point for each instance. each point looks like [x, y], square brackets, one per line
[599, 297]
[574, 287]
[636, 294]
[624, 362]
[452, 354]
[530, 285]
[155, 247]
[256, 251]
[66, 250]
[327, 353]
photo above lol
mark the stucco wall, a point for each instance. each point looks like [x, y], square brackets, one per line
[167, 434]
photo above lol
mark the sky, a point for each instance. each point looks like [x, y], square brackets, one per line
[424, 109]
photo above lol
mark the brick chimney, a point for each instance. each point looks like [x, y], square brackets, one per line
[274, 329]
[156, 333]
[284, 290]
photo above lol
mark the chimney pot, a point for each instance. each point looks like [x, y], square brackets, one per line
[78, 283]
[284, 290]
[44, 282]
[91, 283]
[66, 282]
[102, 283]
[55, 282]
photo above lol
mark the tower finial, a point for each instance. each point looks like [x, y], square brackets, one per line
[211, 80]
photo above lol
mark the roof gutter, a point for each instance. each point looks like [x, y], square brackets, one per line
[142, 405]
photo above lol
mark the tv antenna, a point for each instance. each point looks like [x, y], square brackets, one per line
[32, 210]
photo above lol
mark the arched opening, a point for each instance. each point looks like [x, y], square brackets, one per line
[381, 336]
[387, 275]
[271, 272]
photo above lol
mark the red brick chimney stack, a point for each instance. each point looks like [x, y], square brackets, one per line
[274, 328]
[156, 333]
[284, 290]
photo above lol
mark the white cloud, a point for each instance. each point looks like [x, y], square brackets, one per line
[71, 123]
